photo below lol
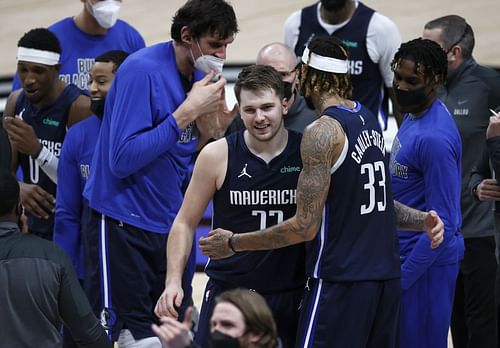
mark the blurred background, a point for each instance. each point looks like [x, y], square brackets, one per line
[260, 21]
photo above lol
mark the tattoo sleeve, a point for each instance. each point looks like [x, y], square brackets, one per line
[321, 145]
[408, 218]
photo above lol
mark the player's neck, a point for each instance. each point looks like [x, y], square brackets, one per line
[326, 101]
[183, 60]
[88, 24]
[340, 16]
[269, 149]
[54, 93]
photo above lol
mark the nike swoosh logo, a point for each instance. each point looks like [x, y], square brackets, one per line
[460, 102]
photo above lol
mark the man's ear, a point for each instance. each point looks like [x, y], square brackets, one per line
[186, 36]
[284, 106]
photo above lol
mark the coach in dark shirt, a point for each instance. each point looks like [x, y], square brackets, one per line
[39, 288]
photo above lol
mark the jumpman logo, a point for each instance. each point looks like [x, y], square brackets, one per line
[244, 171]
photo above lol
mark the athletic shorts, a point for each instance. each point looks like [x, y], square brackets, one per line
[350, 314]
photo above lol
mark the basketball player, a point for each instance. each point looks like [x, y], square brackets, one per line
[345, 208]
[252, 185]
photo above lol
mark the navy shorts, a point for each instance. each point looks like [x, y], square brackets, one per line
[285, 306]
[125, 269]
[350, 314]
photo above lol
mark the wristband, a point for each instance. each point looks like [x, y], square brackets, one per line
[230, 243]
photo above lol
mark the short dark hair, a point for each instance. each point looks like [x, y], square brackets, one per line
[9, 191]
[258, 317]
[205, 17]
[40, 39]
[314, 80]
[257, 78]
[454, 31]
[115, 56]
[425, 53]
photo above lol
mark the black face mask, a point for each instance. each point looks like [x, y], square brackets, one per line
[409, 100]
[97, 106]
[288, 89]
[218, 340]
[334, 5]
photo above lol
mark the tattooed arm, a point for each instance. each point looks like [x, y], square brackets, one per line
[321, 146]
[415, 220]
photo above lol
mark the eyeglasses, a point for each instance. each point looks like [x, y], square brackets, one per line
[459, 40]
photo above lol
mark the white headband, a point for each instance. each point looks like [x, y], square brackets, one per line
[33, 55]
[322, 63]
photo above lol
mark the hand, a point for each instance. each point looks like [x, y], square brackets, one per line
[204, 98]
[172, 333]
[215, 125]
[434, 228]
[216, 244]
[488, 190]
[493, 129]
[170, 299]
[22, 136]
[36, 200]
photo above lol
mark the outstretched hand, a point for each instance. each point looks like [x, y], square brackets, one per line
[172, 333]
[434, 227]
[216, 244]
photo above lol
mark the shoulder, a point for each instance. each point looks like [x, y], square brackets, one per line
[63, 23]
[322, 138]
[383, 26]
[214, 152]
[10, 106]
[123, 27]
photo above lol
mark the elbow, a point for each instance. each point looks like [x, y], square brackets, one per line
[309, 230]
[118, 166]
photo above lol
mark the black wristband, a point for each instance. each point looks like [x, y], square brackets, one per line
[230, 243]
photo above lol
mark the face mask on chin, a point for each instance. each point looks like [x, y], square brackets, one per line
[106, 12]
[219, 340]
[207, 63]
[97, 106]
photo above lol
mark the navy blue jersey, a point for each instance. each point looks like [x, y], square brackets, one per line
[256, 195]
[49, 124]
[357, 239]
[365, 74]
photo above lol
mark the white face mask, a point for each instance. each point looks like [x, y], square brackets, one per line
[207, 63]
[106, 12]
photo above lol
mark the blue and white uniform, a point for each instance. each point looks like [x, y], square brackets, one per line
[372, 40]
[79, 49]
[141, 161]
[256, 195]
[426, 174]
[50, 125]
[353, 262]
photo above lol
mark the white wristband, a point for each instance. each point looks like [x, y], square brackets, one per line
[48, 162]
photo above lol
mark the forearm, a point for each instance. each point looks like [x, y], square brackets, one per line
[408, 218]
[48, 162]
[136, 151]
[180, 241]
[287, 233]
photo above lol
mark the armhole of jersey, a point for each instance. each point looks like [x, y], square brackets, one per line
[342, 156]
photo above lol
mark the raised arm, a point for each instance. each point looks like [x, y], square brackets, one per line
[321, 146]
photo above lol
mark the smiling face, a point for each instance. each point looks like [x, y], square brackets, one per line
[101, 77]
[262, 113]
[37, 80]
